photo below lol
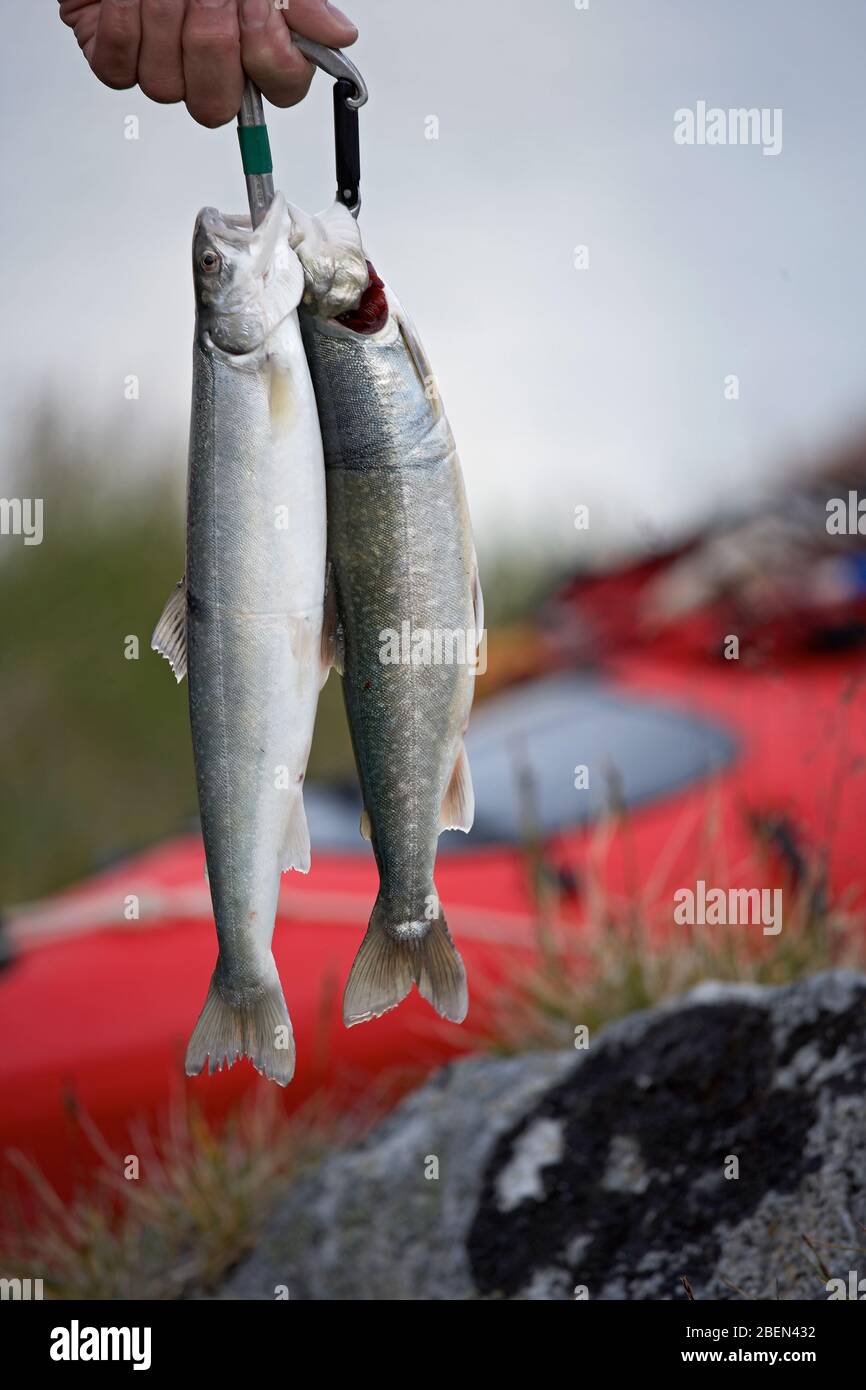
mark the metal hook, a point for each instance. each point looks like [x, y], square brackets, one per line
[255, 153]
[334, 62]
[350, 93]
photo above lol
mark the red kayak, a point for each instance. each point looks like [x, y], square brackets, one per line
[105, 981]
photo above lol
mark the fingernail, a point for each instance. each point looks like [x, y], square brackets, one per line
[255, 13]
[338, 14]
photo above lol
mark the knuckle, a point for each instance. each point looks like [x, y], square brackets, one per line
[163, 9]
[213, 44]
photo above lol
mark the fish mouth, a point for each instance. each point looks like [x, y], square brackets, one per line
[236, 231]
[234, 228]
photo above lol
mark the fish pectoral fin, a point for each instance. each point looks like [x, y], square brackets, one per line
[366, 826]
[169, 635]
[458, 803]
[333, 642]
[415, 349]
[296, 841]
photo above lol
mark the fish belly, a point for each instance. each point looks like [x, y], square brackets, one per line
[255, 575]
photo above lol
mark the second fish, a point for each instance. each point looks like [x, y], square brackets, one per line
[402, 609]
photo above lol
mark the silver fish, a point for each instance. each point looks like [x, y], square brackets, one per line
[404, 612]
[245, 624]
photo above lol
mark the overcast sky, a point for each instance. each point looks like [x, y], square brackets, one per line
[556, 129]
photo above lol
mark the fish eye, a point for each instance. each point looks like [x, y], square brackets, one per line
[210, 262]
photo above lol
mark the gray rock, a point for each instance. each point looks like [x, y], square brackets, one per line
[605, 1169]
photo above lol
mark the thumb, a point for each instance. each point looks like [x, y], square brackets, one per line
[320, 21]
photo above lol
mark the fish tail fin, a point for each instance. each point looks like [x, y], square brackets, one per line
[396, 955]
[250, 1023]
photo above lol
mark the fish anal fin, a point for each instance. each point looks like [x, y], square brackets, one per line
[296, 841]
[458, 803]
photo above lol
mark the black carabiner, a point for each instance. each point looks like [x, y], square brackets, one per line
[347, 146]
[350, 92]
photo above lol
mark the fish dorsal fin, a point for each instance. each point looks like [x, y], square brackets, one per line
[169, 635]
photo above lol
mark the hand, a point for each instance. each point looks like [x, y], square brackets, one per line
[199, 51]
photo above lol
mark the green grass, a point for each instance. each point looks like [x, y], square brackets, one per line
[202, 1197]
[626, 955]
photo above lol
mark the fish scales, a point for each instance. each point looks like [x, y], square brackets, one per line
[400, 554]
[245, 624]
[401, 558]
